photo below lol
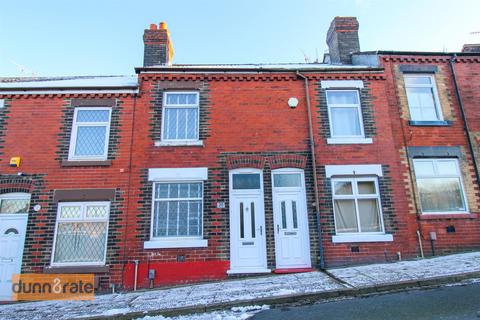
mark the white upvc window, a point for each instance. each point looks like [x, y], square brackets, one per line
[177, 210]
[440, 186]
[357, 206]
[81, 233]
[90, 133]
[422, 97]
[345, 114]
[180, 116]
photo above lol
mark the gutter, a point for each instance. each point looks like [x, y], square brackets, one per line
[464, 118]
[321, 260]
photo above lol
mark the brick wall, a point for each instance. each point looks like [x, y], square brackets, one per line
[38, 130]
[466, 235]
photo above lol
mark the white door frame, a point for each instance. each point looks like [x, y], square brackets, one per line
[245, 193]
[302, 216]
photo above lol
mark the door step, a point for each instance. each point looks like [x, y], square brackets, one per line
[293, 270]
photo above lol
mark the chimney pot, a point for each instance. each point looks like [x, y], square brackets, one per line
[342, 39]
[163, 26]
[153, 26]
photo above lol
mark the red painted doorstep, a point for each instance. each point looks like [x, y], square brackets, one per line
[293, 270]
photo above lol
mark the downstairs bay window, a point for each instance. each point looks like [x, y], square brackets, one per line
[81, 233]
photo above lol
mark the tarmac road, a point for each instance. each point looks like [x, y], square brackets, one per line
[444, 303]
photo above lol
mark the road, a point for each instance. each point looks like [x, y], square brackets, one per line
[445, 303]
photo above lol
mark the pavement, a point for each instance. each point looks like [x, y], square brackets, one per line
[444, 303]
[268, 290]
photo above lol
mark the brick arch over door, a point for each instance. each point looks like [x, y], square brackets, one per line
[10, 185]
[287, 161]
[245, 161]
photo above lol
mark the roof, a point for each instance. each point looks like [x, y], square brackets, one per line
[69, 83]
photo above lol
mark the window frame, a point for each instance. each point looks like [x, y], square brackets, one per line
[359, 109]
[152, 215]
[178, 106]
[433, 86]
[83, 205]
[459, 177]
[15, 196]
[74, 133]
[356, 196]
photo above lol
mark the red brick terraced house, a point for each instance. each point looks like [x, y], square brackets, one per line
[188, 173]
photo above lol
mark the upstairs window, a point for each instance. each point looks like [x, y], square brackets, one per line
[180, 116]
[422, 98]
[345, 114]
[440, 186]
[90, 132]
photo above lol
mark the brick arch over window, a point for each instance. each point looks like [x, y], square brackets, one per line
[11, 185]
[245, 161]
[287, 161]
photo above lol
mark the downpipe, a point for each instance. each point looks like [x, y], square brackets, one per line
[136, 275]
[321, 260]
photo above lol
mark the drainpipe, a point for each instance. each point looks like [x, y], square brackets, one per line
[464, 118]
[321, 264]
[136, 276]
[127, 208]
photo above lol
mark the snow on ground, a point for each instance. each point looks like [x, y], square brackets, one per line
[374, 274]
[236, 313]
[251, 289]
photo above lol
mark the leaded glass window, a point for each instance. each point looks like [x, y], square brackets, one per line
[177, 210]
[81, 233]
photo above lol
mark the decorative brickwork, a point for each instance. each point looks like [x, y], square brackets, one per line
[366, 101]
[287, 161]
[157, 105]
[245, 161]
[4, 112]
[67, 121]
[257, 158]
[445, 94]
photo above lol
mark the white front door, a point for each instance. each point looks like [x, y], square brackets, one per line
[292, 244]
[247, 222]
[12, 238]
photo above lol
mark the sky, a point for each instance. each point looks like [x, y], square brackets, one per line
[104, 37]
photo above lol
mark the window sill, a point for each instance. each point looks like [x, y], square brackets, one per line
[430, 123]
[197, 143]
[440, 216]
[77, 269]
[86, 163]
[349, 141]
[246, 271]
[362, 238]
[165, 244]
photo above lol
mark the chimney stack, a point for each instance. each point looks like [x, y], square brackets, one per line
[342, 39]
[158, 49]
[471, 48]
